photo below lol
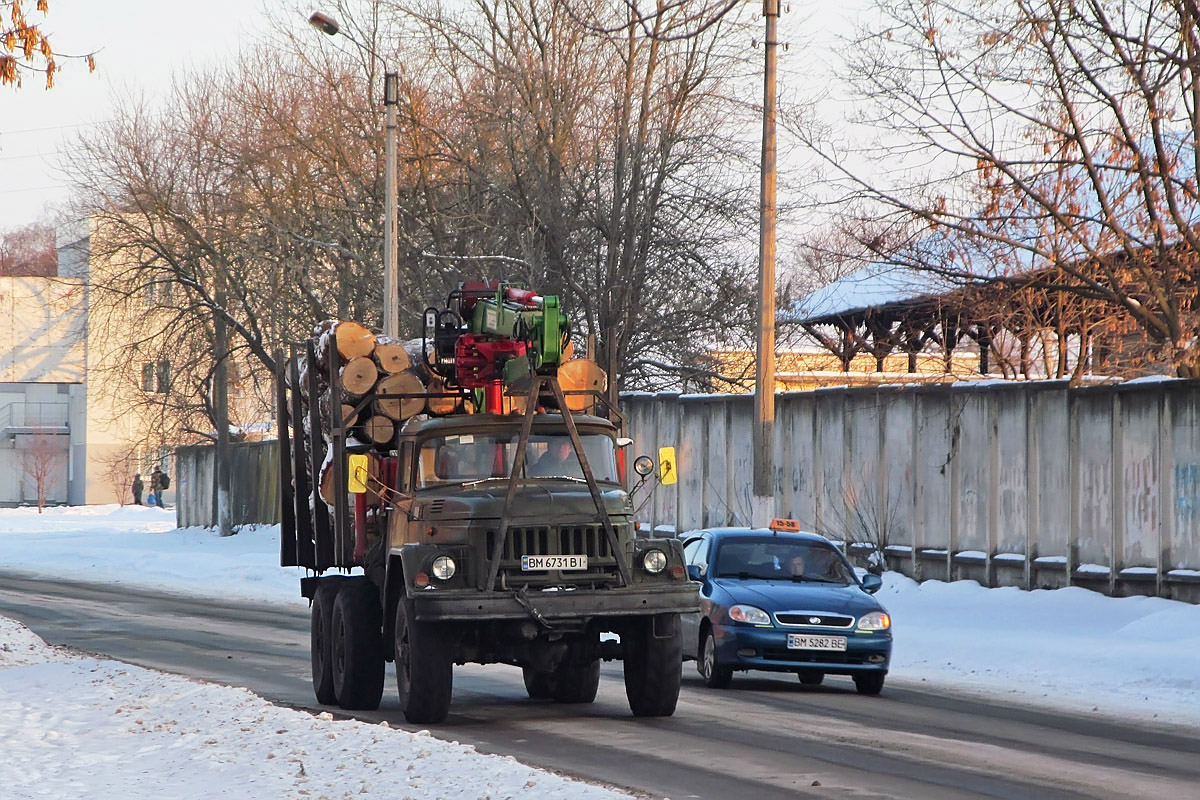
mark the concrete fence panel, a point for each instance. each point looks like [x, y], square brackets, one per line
[1029, 484]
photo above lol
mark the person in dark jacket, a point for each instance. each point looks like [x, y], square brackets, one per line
[156, 488]
[137, 488]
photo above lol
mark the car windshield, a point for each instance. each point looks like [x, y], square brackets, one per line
[464, 458]
[778, 558]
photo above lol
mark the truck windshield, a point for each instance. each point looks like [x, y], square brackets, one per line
[461, 458]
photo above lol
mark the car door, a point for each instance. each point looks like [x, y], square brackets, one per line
[695, 552]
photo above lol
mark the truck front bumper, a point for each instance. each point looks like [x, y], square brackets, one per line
[442, 605]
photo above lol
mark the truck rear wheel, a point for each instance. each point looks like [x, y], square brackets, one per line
[576, 683]
[539, 685]
[424, 669]
[357, 646]
[653, 665]
[320, 640]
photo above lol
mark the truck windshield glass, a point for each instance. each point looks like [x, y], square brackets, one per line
[462, 458]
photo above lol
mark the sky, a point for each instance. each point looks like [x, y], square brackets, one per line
[76, 726]
[141, 44]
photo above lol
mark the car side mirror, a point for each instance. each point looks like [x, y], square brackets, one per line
[695, 572]
[871, 583]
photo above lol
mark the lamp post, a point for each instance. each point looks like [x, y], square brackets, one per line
[391, 99]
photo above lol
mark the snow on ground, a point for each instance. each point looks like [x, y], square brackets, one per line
[94, 730]
[114, 726]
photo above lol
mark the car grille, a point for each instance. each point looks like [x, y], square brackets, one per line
[817, 656]
[806, 618]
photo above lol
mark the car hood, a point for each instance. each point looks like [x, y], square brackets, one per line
[772, 596]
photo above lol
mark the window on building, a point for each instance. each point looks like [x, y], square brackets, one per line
[163, 374]
[156, 376]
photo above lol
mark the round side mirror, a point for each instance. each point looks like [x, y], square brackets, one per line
[643, 465]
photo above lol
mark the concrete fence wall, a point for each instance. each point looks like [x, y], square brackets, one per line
[1026, 484]
[254, 483]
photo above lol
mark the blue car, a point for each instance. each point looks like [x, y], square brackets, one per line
[779, 600]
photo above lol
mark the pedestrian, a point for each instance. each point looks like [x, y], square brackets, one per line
[156, 488]
[137, 488]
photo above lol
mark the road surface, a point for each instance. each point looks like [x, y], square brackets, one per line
[767, 737]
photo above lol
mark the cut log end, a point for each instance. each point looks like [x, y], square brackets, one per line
[353, 339]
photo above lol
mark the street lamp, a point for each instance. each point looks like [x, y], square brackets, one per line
[391, 99]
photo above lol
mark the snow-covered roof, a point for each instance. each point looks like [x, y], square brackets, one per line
[885, 283]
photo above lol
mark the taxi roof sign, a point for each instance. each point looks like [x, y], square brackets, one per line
[785, 525]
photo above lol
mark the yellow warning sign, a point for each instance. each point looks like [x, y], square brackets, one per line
[668, 474]
[356, 473]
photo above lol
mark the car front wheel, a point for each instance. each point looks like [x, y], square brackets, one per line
[811, 677]
[715, 676]
[870, 683]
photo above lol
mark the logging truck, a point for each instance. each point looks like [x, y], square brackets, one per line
[463, 498]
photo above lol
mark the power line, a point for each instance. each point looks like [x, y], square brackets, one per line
[33, 189]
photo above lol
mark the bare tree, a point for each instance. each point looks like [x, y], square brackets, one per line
[589, 155]
[118, 469]
[45, 463]
[1058, 134]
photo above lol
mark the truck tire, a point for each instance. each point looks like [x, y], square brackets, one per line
[653, 665]
[538, 685]
[357, 639]
[320, 641]
[424, 669]
[576, 683]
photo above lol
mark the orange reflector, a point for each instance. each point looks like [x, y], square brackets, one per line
[420, 580]
[677, 571]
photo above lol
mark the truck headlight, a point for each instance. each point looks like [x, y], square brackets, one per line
[654, 561]
[444, 568]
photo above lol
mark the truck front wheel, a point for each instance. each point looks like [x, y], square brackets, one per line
[357, 640]
[653, 664]
[424, 669]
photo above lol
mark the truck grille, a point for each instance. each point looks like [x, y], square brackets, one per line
[544, 540]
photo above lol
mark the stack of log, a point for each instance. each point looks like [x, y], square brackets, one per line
[369, 368]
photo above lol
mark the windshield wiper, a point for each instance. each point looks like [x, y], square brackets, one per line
[478, 481]
[814, 579]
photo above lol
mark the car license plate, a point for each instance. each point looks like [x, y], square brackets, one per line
[537, 563]
[799, 641]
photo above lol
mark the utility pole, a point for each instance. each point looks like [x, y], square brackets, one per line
[764, 378]
[221, 405]
[391, 267]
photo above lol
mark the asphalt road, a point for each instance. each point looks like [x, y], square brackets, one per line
[767, 737]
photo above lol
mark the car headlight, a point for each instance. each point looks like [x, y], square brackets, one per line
[655, 561]
[750, 615]
[875, 621]
[444, 568]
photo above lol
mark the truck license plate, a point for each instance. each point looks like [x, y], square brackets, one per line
[798, 641]
[533, 563]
